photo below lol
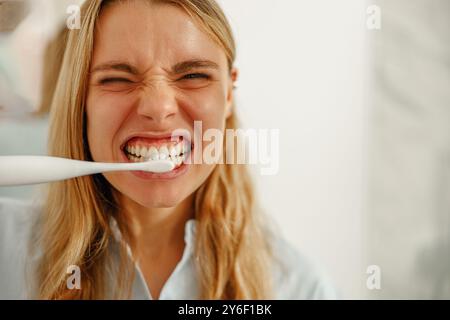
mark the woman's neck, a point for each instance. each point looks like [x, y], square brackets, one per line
[157, 239]
[156, 229]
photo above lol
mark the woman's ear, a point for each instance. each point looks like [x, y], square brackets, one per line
[234, 73]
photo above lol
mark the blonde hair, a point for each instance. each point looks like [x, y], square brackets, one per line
[231, 249]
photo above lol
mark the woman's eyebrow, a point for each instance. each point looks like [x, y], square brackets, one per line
[185, 66]
[114, 65]
[178, 68]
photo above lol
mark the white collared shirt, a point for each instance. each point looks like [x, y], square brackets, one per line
[294, 277]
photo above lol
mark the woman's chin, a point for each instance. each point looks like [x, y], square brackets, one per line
[157, 199]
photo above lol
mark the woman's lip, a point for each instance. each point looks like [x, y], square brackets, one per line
[158, 176]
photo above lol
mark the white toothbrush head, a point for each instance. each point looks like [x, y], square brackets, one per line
[159, 166]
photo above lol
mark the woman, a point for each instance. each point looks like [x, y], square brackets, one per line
[134, 73]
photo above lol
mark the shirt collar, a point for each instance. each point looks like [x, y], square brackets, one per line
[182, 281]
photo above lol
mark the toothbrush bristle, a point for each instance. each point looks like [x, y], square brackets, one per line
[160, 166]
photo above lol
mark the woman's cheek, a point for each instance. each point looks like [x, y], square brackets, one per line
[104, 119]
[208, 107]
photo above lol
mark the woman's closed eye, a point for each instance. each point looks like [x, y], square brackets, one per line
[195, 81]
[116, 84]
[114, 80]
[196, 76]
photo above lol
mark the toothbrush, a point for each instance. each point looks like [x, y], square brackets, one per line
[20, 170]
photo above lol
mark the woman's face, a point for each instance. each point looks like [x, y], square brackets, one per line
[153, 71]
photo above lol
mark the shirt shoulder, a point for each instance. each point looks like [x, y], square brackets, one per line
[297, 277]
[16, 222]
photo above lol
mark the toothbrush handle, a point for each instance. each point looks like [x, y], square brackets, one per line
[19, 170]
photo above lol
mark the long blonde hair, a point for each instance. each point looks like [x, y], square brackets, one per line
[231, 249]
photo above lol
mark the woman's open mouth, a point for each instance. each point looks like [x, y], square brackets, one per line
[175, 149]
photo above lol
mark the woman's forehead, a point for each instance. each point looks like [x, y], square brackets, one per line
[143, 34]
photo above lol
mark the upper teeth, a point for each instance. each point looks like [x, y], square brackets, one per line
[164, 152]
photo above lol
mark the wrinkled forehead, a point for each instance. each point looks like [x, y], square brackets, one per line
[147, 34]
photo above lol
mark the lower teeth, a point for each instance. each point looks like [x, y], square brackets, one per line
[178, 162]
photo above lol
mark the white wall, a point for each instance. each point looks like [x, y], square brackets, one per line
[303, 71]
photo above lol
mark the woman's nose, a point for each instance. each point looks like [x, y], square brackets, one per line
[158, 103]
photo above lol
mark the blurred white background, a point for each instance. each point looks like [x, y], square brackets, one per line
[303, 71]
[364, 151]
